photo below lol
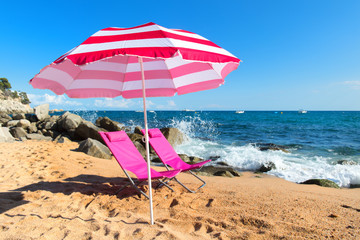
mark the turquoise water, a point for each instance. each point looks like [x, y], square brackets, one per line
[315, 140]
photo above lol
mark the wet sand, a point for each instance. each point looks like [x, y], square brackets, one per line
[49, 191]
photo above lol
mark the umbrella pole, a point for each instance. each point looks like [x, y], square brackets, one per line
[147, 141]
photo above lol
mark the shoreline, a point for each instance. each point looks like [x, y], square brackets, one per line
[50, 191]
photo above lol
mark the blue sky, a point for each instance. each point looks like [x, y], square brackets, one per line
[296, 54]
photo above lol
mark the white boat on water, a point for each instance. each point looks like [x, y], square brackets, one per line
[240, 111]
[188, 110]
[302, 111]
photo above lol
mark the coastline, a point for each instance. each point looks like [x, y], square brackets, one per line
[49, 191]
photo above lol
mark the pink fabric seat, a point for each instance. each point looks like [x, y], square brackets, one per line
[168, 155]
[129, 157]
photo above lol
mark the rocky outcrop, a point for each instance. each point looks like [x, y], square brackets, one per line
[94, 148]
[4, 118]
[219, 171]
[86, 130]
[13, 106]
[270, 146]
[321, 182]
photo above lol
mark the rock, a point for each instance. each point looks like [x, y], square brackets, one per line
[194, 159]
[36, 136]
[17, 132]
[12, 123]
[141, 149]
[354, 185]
[68, 122]
[94, 148]
[138, 130]
[173, 135]
[86, 130]
[135, 137]
[4, 118]
[19, 116]
[31, 117]
[42, 111]
[214, 158]
[108, 124]
[346, 162]
[266, 167]
[321, 182]
[270, 146]
[5, 135]
[222, 163]
[219, 171]
[23, 123]
[62, 139]
[32, 128]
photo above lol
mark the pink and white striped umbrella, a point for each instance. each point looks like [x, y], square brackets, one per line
[143, 61]
[106, 64]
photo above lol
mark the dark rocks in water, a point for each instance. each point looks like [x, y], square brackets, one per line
[219, 171]
[270, 146]
[354, 185]
[214, 158]
[222, 164]
[321, 182]
[346, 162]
[108, 124]
[94, 148]
[266, 167]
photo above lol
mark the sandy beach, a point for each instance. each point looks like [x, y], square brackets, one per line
[50, 191]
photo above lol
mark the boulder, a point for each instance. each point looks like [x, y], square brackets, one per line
[68, 122]
[141, 149]
[32, 128]
[86, 130]
[173, 135]
[42, 111]
[266, 167]
[12, 123]
[31, 117]
[36, 136]
[17, 132]
[5, 135]
[19, 116]
[4, 118]
[219, 171]
[23, 123]
[94, 148]
[190, 159]
[108, 124]
[321, 182]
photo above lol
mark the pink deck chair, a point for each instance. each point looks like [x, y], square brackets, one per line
[131, 160]
[170, 158]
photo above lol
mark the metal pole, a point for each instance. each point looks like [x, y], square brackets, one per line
[147, 140]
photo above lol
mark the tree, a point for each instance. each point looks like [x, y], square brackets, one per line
[24, 98]
[4, 84]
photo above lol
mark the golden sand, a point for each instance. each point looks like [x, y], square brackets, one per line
[49, 191]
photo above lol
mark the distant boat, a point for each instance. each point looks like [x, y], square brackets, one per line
[302, 111]
[240, 111]
[188, 110]
[151, 111]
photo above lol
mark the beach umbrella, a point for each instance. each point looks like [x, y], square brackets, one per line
[138, 62]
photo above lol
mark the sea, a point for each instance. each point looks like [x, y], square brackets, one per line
[316, 142]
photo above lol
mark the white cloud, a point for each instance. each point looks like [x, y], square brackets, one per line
[170, 105]
[52, 99]
[112, 103]
[353, 84]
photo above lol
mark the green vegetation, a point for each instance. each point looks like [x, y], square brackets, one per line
[5, 87]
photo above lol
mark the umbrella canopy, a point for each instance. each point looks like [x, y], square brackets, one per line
[147, 60]
[106, 64]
